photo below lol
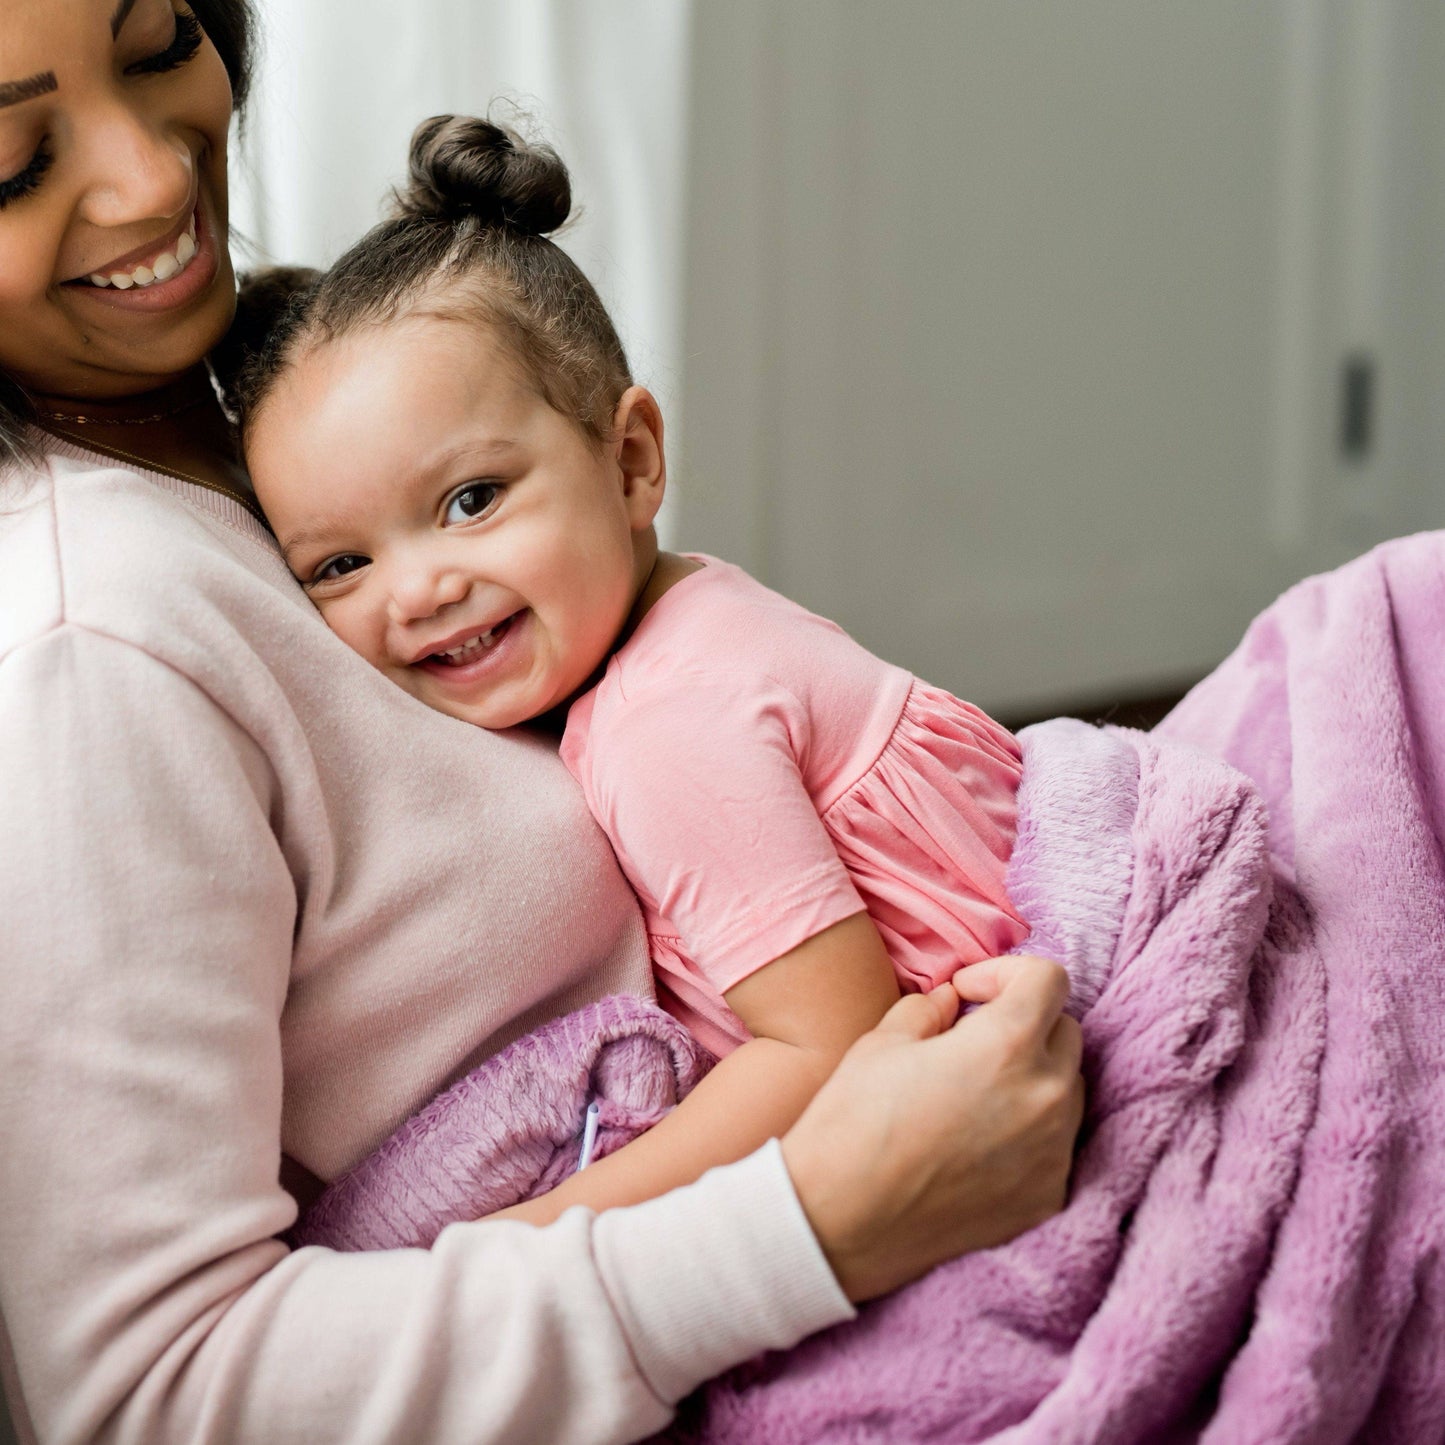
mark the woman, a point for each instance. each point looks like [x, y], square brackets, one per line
[257, 902]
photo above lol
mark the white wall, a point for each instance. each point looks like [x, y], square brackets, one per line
[1013, 329]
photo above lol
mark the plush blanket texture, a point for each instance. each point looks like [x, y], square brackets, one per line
[512, 1128]
[1251, 904]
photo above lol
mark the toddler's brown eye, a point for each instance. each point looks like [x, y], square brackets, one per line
[339, 567]
[471, 501]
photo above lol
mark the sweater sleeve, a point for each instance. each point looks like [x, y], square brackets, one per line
[148, 915]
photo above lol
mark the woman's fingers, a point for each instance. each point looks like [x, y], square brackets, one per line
[931, 1139]
[1077, 1100]
[919, 1015]
[1034, 987]
[1066, 1043]
[1020, 994]
[1027, 991]
[980, 982]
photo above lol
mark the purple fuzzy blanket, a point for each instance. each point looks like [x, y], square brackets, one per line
[1253, 1245]
[512, 1128]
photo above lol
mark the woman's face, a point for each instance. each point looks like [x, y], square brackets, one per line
[113, 121]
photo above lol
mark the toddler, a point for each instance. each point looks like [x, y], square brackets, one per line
[463, 476]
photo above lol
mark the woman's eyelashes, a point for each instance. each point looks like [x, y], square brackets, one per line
[20, 185]
[468, 503]
[183, 47]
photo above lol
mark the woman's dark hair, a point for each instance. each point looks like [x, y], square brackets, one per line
[230, 25]
[468, 240]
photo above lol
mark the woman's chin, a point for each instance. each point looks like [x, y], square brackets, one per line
[151, 356]
[162, 330]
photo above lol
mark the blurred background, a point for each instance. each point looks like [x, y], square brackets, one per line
[1039, 342]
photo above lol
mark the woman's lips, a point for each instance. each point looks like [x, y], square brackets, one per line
[162, 295]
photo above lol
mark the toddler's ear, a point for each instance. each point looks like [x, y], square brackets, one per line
[641, 460]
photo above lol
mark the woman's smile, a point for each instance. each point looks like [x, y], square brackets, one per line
[160, 276]
[114, 270]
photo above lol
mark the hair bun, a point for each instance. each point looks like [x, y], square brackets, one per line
[464, 166]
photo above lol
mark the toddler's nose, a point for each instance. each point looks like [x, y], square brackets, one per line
[417, 595]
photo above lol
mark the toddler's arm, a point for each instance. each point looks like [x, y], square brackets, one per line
[804, 1010]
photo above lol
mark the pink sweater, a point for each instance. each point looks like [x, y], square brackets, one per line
[256, 899]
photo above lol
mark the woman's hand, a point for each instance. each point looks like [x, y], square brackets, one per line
[936, 1137]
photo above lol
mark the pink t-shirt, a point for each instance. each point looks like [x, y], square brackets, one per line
[762, 777]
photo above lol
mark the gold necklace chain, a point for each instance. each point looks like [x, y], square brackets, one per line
[120, 455]
[79, 419]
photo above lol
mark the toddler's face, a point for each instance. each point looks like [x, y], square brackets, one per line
[450, 526]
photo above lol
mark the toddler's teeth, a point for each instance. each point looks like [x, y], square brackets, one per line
[185, 249]
[142, 275]
[98, 280]
[191, 226]
[166, 266]
[121, 281]
[466, 651]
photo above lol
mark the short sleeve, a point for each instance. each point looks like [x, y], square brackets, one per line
[698, 782]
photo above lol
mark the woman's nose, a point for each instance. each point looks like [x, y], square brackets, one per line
[420, 592]
[140, 173]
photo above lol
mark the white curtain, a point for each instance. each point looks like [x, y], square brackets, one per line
[342, 83]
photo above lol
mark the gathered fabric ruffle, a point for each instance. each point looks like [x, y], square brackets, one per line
[926, 834]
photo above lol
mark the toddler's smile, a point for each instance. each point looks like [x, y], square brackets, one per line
[451, 526]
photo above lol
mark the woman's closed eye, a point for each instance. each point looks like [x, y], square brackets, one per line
[22, 183]
[470, 502]
[184, 45]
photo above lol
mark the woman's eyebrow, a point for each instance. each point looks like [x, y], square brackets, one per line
[12, 92]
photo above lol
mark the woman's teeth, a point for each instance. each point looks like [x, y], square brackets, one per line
[473, 647]
[167, 264]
